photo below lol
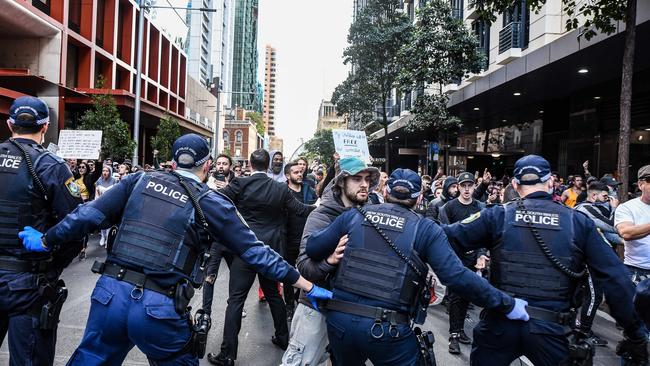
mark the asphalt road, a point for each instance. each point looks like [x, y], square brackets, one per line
[255, 347]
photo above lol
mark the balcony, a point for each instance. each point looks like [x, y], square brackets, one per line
[511, 42]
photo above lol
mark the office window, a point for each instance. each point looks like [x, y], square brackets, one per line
[238, 136]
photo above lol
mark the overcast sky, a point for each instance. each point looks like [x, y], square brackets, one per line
[310, 36]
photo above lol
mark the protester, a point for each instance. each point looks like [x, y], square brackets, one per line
[259, 198]
[570, 196]
[449, 192]
[276, 167]
[349, 188]
[222, 173]
[295, 225]
[103, 184]
[632, 220]
[453, 211]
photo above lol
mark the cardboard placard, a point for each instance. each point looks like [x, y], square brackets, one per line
[80, 144]
[351, 143]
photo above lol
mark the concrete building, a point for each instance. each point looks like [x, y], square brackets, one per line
[545, 90]
[244, 57]
[222, 47]
[58, 50]
[328, 118]
[198, 45]
[269, 91]
[240, 136]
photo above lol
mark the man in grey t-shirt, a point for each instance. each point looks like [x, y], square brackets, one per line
[632, 220]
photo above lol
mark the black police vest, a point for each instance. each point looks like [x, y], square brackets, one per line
[158, 231]
[21, 203]
[371, 268]
[520, 267]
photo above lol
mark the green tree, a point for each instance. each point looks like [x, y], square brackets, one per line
[258, 120]
[116, 137]
[376, 36]
[321, 145]
[440, 51]
[168, 131]
[591, 17]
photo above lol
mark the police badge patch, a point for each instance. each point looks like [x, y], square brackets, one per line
[73, 187]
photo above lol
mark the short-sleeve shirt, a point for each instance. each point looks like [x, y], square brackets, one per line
[637, 252]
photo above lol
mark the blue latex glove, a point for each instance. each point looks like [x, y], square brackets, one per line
[318, 293]
[32, 240]
[519, 311]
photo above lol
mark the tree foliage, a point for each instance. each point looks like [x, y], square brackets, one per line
[168, 131]
[375, 38]
[259, 122]
[440, 51]
[116, 137]
[321, 145]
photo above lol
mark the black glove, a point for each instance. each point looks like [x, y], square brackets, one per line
[633, 352]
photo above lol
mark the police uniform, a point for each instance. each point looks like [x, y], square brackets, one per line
[525, 238]
[376, 289]
[22, 202]
[156, 259]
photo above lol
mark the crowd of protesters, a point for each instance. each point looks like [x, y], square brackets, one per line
[330, 190]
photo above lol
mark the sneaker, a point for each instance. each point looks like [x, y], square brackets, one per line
[220, 360]
[454, 345]
[243, 313]
[101, 242]
[463, 338]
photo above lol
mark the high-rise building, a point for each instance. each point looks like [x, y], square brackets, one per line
[328, 117]
[269, 91]
[222, 46]
[244, 57]
[199, 41]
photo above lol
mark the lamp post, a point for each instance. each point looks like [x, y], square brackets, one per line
[138, 73]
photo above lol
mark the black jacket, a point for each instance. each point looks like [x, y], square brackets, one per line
[262, 201]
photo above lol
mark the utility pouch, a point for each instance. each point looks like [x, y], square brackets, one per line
[182, 297]
[422, 303]
[200, 329]
[55, 297]
[581, 352]
[425, 341]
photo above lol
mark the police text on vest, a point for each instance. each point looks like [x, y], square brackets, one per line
[166, 191]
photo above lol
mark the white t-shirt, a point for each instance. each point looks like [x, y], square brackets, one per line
[637, 252]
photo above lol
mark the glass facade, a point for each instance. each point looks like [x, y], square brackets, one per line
[244, 68]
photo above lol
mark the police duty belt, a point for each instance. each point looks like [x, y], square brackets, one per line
[139, 280]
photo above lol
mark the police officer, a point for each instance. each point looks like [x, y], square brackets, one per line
[379, 285]
[37, 190]
[539, 250]
[156, 258]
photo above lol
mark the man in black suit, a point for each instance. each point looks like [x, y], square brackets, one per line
[262, 202]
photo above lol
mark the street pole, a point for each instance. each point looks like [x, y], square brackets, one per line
[138, 85]
[215, 142]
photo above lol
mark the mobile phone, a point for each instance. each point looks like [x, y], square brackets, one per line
[220, 177]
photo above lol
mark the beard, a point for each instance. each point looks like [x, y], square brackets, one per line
[296, 181]
[276, 168]
[354, 196]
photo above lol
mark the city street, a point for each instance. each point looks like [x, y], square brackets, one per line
[257, 328]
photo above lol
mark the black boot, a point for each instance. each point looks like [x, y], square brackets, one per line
[220, 360]
[463, 338]
[454, 345]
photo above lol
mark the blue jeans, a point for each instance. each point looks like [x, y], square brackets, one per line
[352, 342]
[120, 318]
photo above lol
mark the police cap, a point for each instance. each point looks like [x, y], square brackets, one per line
[34, 107]
[532, 169]
[190, 151]
[404, 178]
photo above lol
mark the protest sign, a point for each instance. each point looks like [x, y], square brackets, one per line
[350, 143]
[80, 144]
